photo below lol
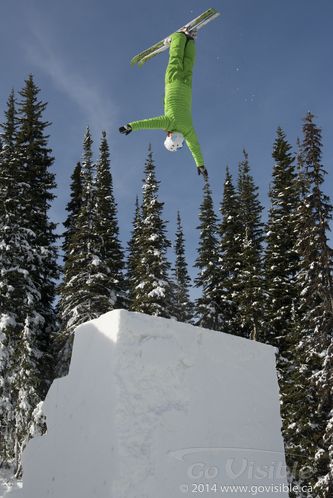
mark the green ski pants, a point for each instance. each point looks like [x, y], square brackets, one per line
[181, 59]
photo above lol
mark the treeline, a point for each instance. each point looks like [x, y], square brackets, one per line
[268, 282]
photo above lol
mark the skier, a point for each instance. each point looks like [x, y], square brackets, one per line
[177, 118]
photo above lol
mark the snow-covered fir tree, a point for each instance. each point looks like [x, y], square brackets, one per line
[280, 269]
[61, 346]
[109, 261]
[153, 289]
[208, 305]
[77, 298]
[32, 142]
[182, 305]
[229, 257]
[27, 265]
[73, 208]
[281, 259]
[134, 253]
[93, 279]
[14, 241]
[310, 434]
[249, 287]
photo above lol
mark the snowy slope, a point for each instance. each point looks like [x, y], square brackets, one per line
[154, 408]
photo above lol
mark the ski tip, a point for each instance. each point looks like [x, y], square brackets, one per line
[135, 63]
[213, 13]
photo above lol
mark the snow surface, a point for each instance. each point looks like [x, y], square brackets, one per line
[155, 408]
[8, 482]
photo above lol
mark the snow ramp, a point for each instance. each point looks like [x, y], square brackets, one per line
[154, 408]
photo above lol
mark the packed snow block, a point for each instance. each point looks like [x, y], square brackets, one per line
[153, 408]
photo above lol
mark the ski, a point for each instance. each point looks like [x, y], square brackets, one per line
[161, 46]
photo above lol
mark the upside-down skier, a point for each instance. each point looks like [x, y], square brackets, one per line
[177, 118]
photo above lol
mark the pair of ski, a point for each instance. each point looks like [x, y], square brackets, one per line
[159, 47]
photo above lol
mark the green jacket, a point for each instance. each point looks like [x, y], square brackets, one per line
[178, 96]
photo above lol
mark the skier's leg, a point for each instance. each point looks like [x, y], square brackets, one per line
[176, 57]
[189, 60]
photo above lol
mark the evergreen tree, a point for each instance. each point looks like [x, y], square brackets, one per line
[311, 437]
[73, 208]
[61, 348]
[249, 288]
[12, 287]
[152, 294]
[280, 269]
[93, 280]
[208, 305]
[183, 308]
[109, 261]
[281, 260]
[229, 256]
[32, 143]
[28, 266]
[134, 254]
[77, 298]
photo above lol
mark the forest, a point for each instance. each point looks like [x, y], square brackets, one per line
[269, 282]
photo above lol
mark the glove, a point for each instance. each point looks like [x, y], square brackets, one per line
[125, 130]
[202, 171]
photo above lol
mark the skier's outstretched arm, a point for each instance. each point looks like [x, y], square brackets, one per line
[157, 123]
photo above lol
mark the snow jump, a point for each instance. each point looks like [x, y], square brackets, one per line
[177, 118]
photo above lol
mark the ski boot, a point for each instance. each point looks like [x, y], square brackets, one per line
[191, 34]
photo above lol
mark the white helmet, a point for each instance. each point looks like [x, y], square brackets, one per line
[174, 141]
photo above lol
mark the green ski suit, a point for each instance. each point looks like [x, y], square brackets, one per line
[178, 96]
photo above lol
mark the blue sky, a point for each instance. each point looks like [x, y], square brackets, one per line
[261, 65]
